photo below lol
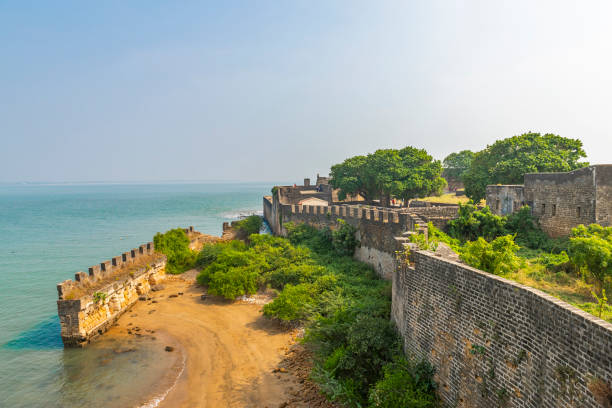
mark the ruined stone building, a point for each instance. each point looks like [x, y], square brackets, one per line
[560, 201]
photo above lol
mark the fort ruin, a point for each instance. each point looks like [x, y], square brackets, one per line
[493, 342]
[559, 201]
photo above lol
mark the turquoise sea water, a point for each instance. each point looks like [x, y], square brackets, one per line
[49, 232]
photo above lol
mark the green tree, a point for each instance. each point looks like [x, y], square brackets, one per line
[507, 160]
[386, 173]
[350, 178]
[455, 164]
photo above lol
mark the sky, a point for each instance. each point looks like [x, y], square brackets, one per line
[150, 91]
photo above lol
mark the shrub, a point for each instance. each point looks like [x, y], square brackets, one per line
[343, 238]
[175, 245]
[233, 283]
[497, 256]
[556, 262]
[250, 225]
[292, 304]
[591, 247]
[472, 223]
[209, 254]
[294, 274]
[404, 384]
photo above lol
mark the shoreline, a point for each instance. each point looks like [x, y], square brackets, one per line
[228, 350]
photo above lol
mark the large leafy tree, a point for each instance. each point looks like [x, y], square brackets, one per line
[386, 173]
[507, 160]
[455, 164]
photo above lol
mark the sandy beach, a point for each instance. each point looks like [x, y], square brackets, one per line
[233, 354]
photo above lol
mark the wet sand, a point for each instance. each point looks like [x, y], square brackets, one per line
[231, 351]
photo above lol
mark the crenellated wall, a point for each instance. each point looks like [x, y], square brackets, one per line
[90, 303]
[376, 227]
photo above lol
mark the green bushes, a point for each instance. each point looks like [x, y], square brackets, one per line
[497, 256]
[250, 225]
[343, 238]
[472, 223]
[404, 384]
[175, 245]
[343, 304]
[591, 247]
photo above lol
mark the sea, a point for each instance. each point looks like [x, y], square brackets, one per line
[50, 231]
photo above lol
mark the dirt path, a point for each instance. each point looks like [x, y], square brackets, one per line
[233, 352]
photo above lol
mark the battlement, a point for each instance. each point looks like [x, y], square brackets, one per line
[350, 211]
[98, 275]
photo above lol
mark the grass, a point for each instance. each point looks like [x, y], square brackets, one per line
[562, 285]
[449, 198]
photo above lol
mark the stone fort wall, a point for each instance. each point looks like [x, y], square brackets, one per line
[560, 201]
[376, 228]
[493, 342]
[496, 343]
[88, 305]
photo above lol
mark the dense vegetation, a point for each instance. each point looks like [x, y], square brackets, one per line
[578, 269]
[175, 245]
[342, 303]
[507, 160]
[473, 223]
[406, 173]
[250, 225]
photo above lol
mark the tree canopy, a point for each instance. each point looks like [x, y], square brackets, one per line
[507, 160]
[455, 164]
[406, 173]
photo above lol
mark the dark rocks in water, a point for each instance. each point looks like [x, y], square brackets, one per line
[169, 348]
[173, 295]
[204, 296]
[142, 297]
[180, 293]
[154, 301]
[155, 288]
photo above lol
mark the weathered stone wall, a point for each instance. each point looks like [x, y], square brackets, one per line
[505, 199]
[603, 199]
[562, 201]
[92, 302]
[496, 343]
[376, 227]
[86, 317]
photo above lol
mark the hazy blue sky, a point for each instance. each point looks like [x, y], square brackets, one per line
[255, 90]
